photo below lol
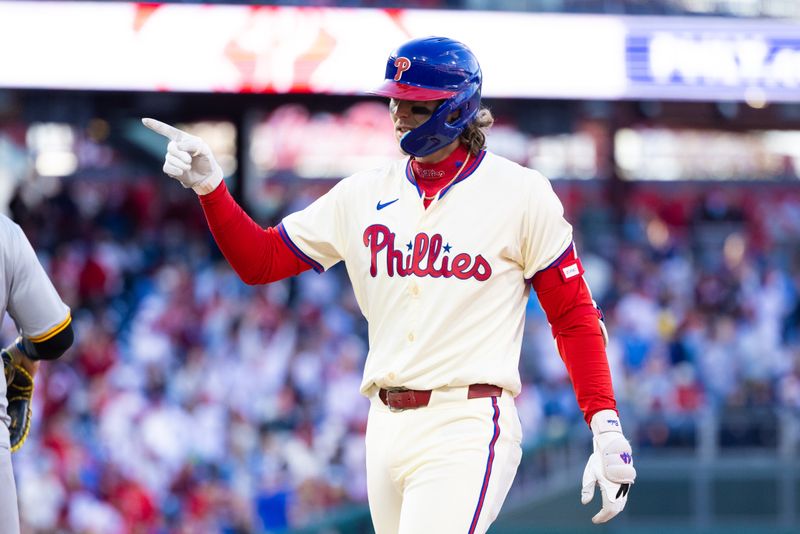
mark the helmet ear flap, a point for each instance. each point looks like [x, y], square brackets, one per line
[432, 135]
[467, 108]
[437, 132]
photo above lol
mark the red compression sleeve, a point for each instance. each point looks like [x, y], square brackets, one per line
[257, 255]
[568, 304]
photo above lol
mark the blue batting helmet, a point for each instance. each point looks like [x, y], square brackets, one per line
[434, 68]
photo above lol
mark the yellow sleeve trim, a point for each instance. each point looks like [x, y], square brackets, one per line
[53, 331]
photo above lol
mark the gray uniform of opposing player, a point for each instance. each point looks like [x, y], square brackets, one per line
[28, 295]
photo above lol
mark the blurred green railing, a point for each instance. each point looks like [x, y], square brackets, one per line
[714, 485]
[345, 520]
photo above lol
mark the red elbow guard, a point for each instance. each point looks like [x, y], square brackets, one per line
[563, 292]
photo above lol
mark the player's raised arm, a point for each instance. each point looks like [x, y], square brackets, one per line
[257, 255]
[189, 159]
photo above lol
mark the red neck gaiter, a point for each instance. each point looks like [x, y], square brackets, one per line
[433, 177]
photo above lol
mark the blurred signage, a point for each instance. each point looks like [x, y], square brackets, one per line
[271, 49]
[323, 145]
[665, 154]
[714, 59]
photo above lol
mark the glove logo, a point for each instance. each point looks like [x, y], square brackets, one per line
[402, 64]
[626, 457]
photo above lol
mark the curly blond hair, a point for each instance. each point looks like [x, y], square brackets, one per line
[474, 135]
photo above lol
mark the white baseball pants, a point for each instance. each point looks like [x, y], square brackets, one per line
[444, 468]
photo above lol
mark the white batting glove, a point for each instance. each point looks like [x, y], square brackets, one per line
[188, 159]
[610, 466]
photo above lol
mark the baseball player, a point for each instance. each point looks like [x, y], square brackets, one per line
[45, 326]
[442, 249]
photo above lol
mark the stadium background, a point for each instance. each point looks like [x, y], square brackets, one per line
[193, 403]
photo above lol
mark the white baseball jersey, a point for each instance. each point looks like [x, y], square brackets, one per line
[444, 289]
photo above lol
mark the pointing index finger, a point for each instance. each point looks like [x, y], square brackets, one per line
[162, 128]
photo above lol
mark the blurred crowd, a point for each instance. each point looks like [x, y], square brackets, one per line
[700, 285]
[192, 402]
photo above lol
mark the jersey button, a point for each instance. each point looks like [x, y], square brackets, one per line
[415, 290]
[411, 336]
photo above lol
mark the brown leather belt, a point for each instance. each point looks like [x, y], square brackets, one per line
[398, 399]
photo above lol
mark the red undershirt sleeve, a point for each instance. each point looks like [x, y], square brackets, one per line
[258, 255]
[573, 318]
